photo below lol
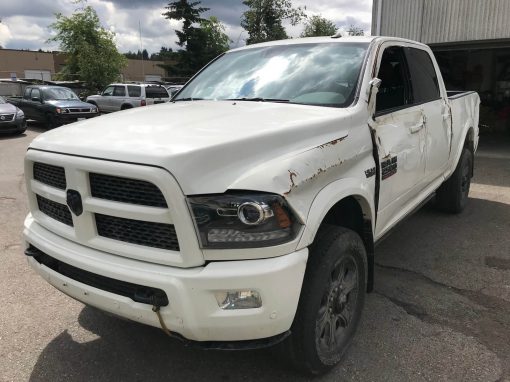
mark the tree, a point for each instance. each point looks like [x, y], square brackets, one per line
[91, 54]
[215, 39]
[189, 14]
[319, 26]
[201, 39]
[264, 19]
[355, 31]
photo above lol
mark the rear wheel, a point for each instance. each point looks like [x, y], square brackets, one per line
[331, 301]
[452, 196]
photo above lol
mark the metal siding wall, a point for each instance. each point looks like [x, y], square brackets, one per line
[436, 21]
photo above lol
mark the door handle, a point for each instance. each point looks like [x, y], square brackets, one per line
[415, 128]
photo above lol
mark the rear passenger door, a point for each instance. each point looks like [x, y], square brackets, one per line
[119, 97]
[135, 94]
[400, 138]
[426, 94]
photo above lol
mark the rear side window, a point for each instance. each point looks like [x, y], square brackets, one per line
[134, 91]
[27, 93]
[394, 91]
[119, 91]
[156, 92]
[36, 93]
[424, 84]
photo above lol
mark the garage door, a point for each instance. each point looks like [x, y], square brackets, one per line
[44, 75]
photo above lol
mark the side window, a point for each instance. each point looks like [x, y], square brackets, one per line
[36, 93]
[424, 84]
[119, 91]
[393, 92]
[156, 92]
[134, 91]
[27, 93]
[108, 91]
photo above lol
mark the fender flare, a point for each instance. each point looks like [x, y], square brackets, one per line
[329, 196]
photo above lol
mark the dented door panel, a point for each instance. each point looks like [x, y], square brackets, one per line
[400, 137]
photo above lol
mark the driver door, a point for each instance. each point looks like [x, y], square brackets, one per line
[400, 136]
[104, 103]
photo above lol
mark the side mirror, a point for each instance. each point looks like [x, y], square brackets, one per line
[373, 89]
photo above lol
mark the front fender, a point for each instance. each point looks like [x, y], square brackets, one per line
[361, 190]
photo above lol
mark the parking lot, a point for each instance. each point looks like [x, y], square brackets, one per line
[440, 309]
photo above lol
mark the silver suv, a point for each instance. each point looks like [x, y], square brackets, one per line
[117, 97]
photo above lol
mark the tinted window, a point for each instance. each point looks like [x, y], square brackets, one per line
[424, 83]
[156, 92]
[134, 91]
[59, 94]
[393, 92]
[324, 74]
[27, 93]
[119, 91]
[36, 93]
[108, 91]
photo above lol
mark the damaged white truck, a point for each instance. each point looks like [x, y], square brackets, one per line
[245, 213]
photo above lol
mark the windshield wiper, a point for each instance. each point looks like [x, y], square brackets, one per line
[259, 99]
[187, 99]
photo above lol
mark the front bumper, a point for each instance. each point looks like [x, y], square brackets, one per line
[193, 311]
[13, 126]
[69, 117]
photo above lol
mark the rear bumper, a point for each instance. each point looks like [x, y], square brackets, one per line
[193, 311]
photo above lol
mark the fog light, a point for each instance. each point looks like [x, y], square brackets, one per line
[239, 299]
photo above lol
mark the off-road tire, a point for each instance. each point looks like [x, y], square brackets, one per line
[307, 347]
[452, 196]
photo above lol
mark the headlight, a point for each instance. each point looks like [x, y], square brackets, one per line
[58, 110]
[20, 114]
[93, 109]
[243, 220]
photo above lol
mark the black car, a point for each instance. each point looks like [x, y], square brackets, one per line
[12, 119]
[53, 105]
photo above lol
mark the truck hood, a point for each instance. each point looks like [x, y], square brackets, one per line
[206, 145]
[69, 103]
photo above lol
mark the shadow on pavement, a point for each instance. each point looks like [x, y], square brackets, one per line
[391, 344]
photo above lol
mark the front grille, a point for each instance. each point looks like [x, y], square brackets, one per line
[51, 175]
[157, 235]
[55, 210]
[6, 117]
[79, 110]
[126, 190]
[138, 293]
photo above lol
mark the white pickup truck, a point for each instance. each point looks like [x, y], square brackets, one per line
[250, 217]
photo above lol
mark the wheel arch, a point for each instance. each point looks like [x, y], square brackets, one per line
[353, 209]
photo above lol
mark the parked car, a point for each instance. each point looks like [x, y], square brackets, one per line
[117, 97]
[173, 89]
[12, 119]
[53, 105]
[251, 216]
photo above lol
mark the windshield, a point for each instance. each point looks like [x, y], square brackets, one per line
[324, 74]
[59, 94]
[2, 100]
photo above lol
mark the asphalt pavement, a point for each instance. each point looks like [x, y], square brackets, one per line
[440, 310]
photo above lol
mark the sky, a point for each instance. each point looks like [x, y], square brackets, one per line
[25, 23]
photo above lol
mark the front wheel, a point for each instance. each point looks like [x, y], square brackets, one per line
[452, 196]
[331, 300]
